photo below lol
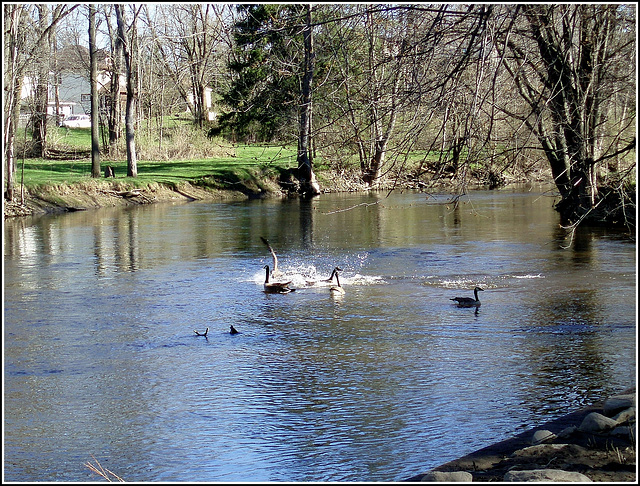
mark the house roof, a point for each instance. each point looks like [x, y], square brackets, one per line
[75, 58]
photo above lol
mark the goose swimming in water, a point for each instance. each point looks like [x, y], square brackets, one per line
[330, 279]
[468, 301]
[334, 273]
[233, 330]
[336, 289]
[275, 287]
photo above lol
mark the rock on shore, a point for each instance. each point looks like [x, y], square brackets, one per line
[595, 444]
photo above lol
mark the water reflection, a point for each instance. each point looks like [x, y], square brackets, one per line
[306, 223]
[563, 340]
[116, 244]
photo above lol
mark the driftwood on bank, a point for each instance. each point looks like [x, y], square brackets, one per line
[67, 154]
[129, 194]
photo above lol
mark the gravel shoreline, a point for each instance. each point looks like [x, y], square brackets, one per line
[595, 444]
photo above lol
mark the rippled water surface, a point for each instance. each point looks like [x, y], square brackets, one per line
[391, 379]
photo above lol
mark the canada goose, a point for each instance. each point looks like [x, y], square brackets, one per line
[334, 273]
[275, 287]
[468, 301]
[330, 279]
[336, 289]
[233, 330]
[274, 272]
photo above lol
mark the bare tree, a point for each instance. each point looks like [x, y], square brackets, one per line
[129, 49]
[396, 69]
[189, 40]
[20, 53]
[114, 69]
[42, 71]
[93, 77]
[13, 77]
[309, 187]
[41, 75]
[567, 63]
[198, 41]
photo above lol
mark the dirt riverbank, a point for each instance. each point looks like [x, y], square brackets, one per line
[97, 193]
[79, 197]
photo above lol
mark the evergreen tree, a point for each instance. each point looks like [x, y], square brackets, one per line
[266, 65]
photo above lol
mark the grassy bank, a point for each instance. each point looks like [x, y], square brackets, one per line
[182, 156]
[244, 162]
[181, 164]
[51, 185]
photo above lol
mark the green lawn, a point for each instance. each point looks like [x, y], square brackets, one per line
[244, 162]
[42, 172]
[70, 137]
[249, 161]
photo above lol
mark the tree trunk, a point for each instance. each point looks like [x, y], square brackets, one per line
[11, 105]
[199, 91]
[309, 187]
[56, 95]
[95, 136]
[39, 115]
[56, 81]
[132, 162]
[573, 81]
[373, 171]
[115, 108]
[205, 106]
[132, 159]
[12, 119]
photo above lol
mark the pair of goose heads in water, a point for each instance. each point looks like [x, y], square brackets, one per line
[283, 287]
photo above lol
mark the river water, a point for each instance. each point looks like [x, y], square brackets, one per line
[391, 379]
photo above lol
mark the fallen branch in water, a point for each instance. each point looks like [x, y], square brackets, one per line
[352, 207]
[202, 333]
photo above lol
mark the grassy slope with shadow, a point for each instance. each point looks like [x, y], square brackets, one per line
[62, 185]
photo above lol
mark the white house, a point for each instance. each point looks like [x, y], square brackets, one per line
[207, 98]
[69, 103]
